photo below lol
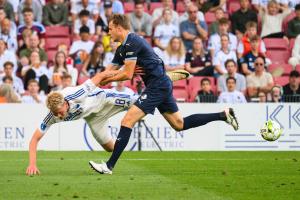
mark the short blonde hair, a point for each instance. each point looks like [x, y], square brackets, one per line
[54, 100]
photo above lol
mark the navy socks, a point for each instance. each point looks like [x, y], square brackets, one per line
[196, 120]
[121, 142]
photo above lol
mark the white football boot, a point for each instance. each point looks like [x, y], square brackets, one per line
[231, 118]
[101, 168]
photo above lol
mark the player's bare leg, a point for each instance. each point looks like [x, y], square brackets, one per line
[109, 146]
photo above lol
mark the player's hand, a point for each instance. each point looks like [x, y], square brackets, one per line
[32, 170]
[139, 71]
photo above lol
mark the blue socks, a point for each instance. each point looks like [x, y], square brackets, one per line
[121, 142]
[196, 120]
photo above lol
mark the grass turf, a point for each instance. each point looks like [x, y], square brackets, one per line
[154, 175]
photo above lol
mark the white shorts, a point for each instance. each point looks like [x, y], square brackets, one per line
[113, 105]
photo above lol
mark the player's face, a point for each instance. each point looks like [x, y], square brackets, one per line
[113, 31]
[61, 112]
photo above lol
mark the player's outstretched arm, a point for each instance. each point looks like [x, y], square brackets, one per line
[103, 75]
[121, 75]
[32, 168]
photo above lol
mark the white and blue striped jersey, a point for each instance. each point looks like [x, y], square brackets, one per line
[85, 100]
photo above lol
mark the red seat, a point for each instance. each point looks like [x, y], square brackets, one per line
[52, 43]
[297, 68]
[276, 44]
[180, 95]
[128, 7]
[287, 68]
[154, 5]
[233, 6]
[210, 17]
[282, 80]
[57, 31]
[194, 86]
[278, 57]
[51, 55]
[182, 84]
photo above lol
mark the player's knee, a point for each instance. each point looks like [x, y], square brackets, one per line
[127, 123]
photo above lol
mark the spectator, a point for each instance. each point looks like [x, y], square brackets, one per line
[140, 20]
[210, 5]
[13, 27]
[241, 17]
[247, 61]
[120, 87]
[191, 28]
[231, 95]
[15, 5]
[8, 8]
[291, 91]
[69, 59]
[244, 46]
[231, 68]
[8, 34]
[117, 7]
[110, 55]
[55, 13]
[36, 8]
[8, 80]
[174, 55]
[164, 32]
[67, 81]
[262, 97]
[214, 45]
[26, 35]
[84, 20]
[17, 83]
[292, 3]
[185, 15]
[94, 62]
[90, 5]
[263, 4]
[33, 95]
[224, 54]
[198, 61]
[104, 16]
[34, 46]
[35, 27]
[81, 48]
[295, 59]
[205, 95]
[259, 80]
[7, 94]
[157, 13]
[294, 25]
[276, 95]
[272, 20]
[214, 26]
[60, 68]
[6, 55]
[35, 70]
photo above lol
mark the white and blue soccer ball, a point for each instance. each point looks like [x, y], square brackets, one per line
[271, 130]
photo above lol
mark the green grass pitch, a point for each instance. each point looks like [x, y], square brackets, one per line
[154, 175]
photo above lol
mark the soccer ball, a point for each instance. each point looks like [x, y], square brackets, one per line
[271, 130]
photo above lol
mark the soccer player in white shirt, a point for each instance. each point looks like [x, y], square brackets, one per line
[232, 95]
[85, 101]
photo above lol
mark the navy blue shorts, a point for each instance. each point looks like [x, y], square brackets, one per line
[160, 97]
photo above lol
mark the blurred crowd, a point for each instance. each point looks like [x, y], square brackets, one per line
[237, 51]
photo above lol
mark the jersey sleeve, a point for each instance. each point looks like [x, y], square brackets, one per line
[117, 60]
[131, 49]
[46, 123]
[80, 92]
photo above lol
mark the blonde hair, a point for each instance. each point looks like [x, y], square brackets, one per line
[54, 100]
[7, 91]
[180, 52]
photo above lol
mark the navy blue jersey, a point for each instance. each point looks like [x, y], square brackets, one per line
[136, 48]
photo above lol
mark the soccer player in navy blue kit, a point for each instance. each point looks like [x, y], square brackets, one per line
[133, 51]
